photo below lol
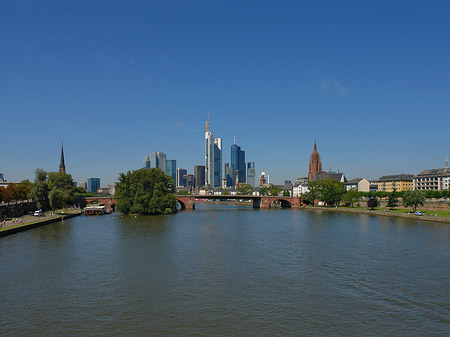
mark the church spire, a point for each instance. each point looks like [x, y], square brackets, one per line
[315, 145]
[62, 165]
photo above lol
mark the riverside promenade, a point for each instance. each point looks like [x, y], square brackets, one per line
[27, 222]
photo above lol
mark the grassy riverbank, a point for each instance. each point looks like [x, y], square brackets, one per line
[434, 216]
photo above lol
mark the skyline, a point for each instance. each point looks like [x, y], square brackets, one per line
[117, 82]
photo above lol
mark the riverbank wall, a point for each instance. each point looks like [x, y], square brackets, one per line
[24, 227]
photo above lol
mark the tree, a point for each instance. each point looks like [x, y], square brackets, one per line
[1, 193]
[273, 190]
[372, 203]
[146, 191]
[226, 193]
[392, 200]
[24, 189]
[314, 190]
[244, 189]
[286, 193]
[264, 191]
[413, 199]
[350, 197]
[62, 189]
[332, 191]
[40, 190]
[11, 192]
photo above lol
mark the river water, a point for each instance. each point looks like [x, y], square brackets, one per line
[227, 271]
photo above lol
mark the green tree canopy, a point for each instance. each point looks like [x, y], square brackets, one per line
[392, 200]
[314, 190]
[264, 191]
[244, 189]
[413, 199]
[62, 189]
[351, 196]
[274, 190]
[332, 191]
[146, 191]
[40, 189]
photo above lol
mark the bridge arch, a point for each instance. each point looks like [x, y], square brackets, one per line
[182, 204]
[284, 203]
[186, 202]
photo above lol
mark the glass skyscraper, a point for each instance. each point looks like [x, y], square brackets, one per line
[147, 162]
[213, 158]
[181, 180]
[238, 162]
[93, 184]
[171, 169]
[158, 160]
[251, 174]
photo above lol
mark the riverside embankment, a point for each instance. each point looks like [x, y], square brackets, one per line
[406, 215]
[12, 228]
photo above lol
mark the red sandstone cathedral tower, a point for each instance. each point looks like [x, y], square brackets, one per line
[315, 164]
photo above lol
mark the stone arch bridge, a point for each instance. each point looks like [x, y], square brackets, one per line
[188, 201]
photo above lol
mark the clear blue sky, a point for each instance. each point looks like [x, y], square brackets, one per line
[117, 80]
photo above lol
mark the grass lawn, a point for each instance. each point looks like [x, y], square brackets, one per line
[407, 210]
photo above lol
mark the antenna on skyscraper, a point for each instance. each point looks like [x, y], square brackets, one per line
[207, 124]
[446, 162]
[234, 139]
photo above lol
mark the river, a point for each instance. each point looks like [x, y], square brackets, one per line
[225, 270]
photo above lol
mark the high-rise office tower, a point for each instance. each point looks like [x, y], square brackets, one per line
[213, 158]
[171, 169]
[238, 161]
[190, 179]
[147, 162]
[199, 175]
[217, 162]
[251, 174]
[158, 160]
[242, 168]
[181, 181]
[93, 184]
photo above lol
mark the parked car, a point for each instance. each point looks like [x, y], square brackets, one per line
[418, 213]
[38, 213]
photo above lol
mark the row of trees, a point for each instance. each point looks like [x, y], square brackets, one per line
[333, 193]
[15, 192]
[399, 194]
[50, 190]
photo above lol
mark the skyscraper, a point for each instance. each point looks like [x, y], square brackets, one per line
[171, 169]
[213, 158]
[93, 184]
[158, 160]
[147, 162]
[181, 181]
[238, 161]
[199, 175]
[251, 174]
[217, 162]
